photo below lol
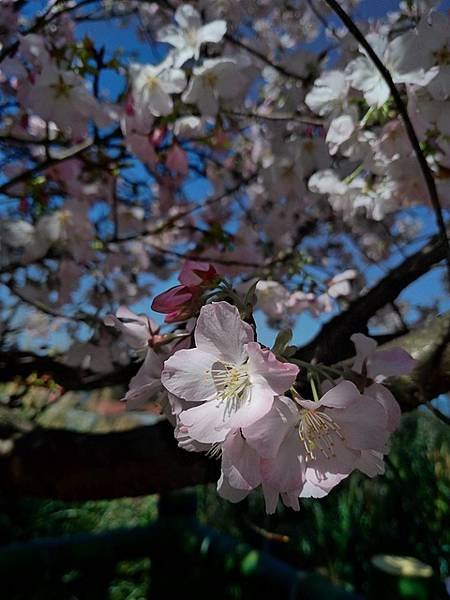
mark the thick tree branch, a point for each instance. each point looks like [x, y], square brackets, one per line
[63, 464]
[424, 166]
[15, 363]
[332, 343]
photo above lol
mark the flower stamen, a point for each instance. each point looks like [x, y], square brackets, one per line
[317, 431]
[232, 384]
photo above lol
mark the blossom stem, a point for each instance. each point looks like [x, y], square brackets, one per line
[313, 388]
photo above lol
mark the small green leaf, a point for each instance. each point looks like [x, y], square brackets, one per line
[282, 340]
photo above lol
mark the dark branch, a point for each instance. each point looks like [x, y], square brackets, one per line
[56, 463]
[15, 363]
[332, 343]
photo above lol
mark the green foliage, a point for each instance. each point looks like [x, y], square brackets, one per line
[404, 512]
[30, 518]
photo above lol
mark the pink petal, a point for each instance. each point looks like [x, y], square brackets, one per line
[286, 471]
[171, 299]
[136, 331]
[390, 362]
[322, 470]
[187, 375]
[363, 424]
[340, 396]
[138, 396]
[194, 273]
[240, 463]
[364, 347]
[231, 494]
[267, 434]
[270, 497]
[266, 369]
[370, 463]
[221, 332]
[205, 423]
[390, 404]
[318, 485]
[258, 404]
[290, 500]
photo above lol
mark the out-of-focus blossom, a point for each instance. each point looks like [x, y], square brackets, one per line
[153, 86]
[216, 78]
[190, 34]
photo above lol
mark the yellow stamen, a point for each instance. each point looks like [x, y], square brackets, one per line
[317, 431]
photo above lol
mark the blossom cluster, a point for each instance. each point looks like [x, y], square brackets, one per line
[237, 401]
[283, 179]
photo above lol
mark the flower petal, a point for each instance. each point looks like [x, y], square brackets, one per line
[187, 374]
[340, 396]
[225, 490]
[363, 424]
[205, 423]
[221, 332]
[171, 299]
[395, 361]
[259, 402]
[212, 32]
[265, 369]
[390, 404]
[285, 472]
[267, 434]
[240, 463]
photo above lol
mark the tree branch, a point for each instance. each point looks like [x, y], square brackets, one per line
[81, 466]
[332, 343]
[63, 156]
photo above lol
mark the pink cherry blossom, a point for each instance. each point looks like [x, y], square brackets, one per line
[139, 331]
[306, 448]
[379, 364]
[233, 378]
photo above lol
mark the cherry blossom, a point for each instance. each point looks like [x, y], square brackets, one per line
[62, 97]
[215, 79]
[379, 364]
[303, 448]
[235, 380]
[329, 93]
[363, 75]
[278, 177]
[139, 331]
[153, 87]
[190, 34]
